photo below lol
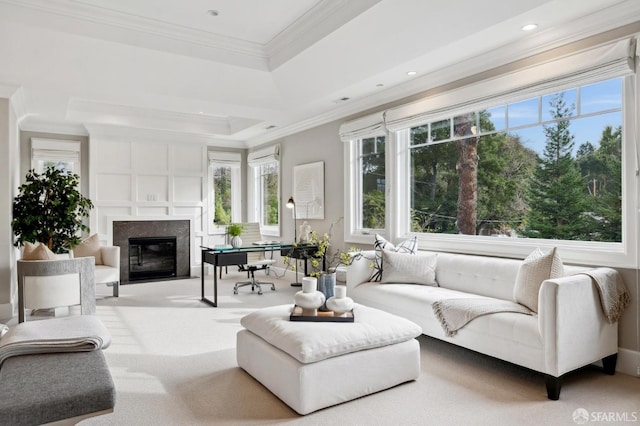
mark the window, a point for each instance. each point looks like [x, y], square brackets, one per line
[63, 155]
[538, 157]
[264, 168]
[370, 213]
[553, 172]
[224, 190]
[367, 203]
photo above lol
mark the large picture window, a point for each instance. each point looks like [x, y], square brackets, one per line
[541, 156]
[545, 167]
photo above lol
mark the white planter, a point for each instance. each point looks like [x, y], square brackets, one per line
[236, 242]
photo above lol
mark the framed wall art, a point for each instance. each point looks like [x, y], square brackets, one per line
[308, 190]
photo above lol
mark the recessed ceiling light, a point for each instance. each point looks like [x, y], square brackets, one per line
[213, 12]
[379, 85]
[529, 27]
[412, 72]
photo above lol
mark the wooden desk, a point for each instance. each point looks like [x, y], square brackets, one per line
[238, 256]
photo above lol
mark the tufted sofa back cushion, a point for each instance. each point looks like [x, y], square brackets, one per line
[482, 275]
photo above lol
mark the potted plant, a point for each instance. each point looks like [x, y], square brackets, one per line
[50, 209]
[234, 230]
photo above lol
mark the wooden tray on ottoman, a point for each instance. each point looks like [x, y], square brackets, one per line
[298, 315]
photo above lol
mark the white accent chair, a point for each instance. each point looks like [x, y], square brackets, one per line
[59, 283]
[255, 260]
[109, 271]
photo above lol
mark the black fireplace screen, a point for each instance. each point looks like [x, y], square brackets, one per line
[152, 257]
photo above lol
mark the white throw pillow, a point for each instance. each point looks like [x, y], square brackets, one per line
[381, 244]
[536, 268]
[403, 268]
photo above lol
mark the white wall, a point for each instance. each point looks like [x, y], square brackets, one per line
[8, 184]
[134, 179]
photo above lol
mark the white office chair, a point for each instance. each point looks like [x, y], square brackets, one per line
[255, 261]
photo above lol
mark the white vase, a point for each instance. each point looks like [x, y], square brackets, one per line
[236, 242]
[340, 303]
[309, 297]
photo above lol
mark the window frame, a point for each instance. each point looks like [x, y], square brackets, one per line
[236, 201]
[255, 161]
[621, 254]
[599, 63]
[67, 151]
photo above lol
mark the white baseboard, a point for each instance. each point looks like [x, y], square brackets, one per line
[628, 362]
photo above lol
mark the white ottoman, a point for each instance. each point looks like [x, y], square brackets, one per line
[313, 365]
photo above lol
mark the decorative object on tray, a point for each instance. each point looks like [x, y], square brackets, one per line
[299, 314]
[309, 299]
[326, 285]
[234, 230]
[340, 303]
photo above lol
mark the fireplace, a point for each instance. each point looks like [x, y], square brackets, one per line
[153, 250]
[152, 257]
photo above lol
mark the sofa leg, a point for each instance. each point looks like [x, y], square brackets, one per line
[116, 289]
[553, 386]
[609, 364]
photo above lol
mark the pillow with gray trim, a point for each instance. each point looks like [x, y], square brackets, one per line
[536, 268]
[381, 244]
[404, 268]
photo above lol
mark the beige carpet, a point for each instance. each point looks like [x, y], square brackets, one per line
[173, 363]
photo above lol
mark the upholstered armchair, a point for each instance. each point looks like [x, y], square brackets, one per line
[47, 284]
[107, 261]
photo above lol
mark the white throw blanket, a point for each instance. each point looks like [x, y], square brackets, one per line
[453, 314]
[614, 296]
[81, 333]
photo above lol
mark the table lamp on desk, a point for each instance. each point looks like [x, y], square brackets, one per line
[291, 204]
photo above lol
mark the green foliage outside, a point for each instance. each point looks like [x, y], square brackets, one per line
[50, 209]
[558, 195]
[222, 191]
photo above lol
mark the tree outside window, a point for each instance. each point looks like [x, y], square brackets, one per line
[546, 167]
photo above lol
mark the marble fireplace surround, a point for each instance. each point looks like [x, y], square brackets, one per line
[123, 228]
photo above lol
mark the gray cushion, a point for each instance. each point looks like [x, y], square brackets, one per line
[45, 388]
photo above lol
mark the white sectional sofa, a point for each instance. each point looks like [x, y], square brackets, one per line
[569, 330]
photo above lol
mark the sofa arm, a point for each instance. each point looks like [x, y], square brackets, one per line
[572, 324]
[359, 271]
[110, 256]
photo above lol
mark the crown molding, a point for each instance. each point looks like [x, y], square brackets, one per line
[136, 134]
[321, 20]
[86, 111]
[66, 14]
[32, 123]
[596, 29]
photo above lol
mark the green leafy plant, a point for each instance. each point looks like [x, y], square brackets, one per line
[50, 209]
[235, 229]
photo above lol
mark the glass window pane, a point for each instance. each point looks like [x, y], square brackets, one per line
[550, 109]
[493, 119]
[465, 125]
[269, 194]
[368, 146]
[419, 135]
[441, 130]
[523, 113]
[601, 96]
[373, 188]
[222, 189]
